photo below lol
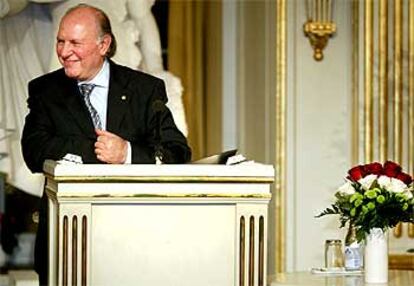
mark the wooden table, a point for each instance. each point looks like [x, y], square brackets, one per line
[395, 278]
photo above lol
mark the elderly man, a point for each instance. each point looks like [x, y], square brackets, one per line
[95, 109]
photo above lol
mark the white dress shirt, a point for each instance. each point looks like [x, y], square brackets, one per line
[99, 98]
[99, 95]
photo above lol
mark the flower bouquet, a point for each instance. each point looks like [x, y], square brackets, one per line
[374, 196]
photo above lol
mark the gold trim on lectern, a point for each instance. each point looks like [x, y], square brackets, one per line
[84, 250]
[74, 250]
[164, 195]
[251, 251]
[261, 251]
[158, 179]
[242, 251]
[65, 251]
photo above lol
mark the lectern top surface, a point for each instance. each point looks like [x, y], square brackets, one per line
[172, 182]
[58, 169]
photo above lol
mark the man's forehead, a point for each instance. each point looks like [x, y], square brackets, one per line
[84, 16]
[78, 24]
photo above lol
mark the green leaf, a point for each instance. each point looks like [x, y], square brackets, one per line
[332, 210]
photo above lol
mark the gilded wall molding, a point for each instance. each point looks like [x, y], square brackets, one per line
[280, 160]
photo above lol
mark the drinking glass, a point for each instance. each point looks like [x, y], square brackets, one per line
[334, 257]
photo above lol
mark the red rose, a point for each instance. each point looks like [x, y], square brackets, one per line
[405, 178]
[391, 169]
[356, 173]
[373, 168]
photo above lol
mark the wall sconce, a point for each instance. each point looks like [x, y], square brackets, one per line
[319, 26]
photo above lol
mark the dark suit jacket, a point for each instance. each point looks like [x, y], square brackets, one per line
[59, 123]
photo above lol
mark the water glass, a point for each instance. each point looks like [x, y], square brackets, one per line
[334, 257]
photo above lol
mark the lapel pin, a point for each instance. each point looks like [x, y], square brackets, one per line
[123, 97]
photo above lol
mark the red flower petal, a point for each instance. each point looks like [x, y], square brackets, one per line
[391, 169]
[373, 168]
[405, 178]
[356, 173]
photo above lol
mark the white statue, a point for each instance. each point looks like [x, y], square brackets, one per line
[22, 57]
[27, 39]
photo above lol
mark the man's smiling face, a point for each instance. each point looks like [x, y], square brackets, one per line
[80, 47]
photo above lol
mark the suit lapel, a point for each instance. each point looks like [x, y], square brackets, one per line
[118, 98]
[76, 106]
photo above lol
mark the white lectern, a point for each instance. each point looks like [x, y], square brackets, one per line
[158, 224]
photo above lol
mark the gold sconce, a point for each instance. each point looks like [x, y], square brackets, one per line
[319, 26]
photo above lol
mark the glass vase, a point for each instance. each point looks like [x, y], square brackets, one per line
[376, 256]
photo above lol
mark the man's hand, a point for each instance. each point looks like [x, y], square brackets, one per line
[110, 148]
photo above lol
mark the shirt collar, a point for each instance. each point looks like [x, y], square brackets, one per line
[102, 77]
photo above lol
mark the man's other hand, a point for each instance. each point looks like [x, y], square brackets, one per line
[110, 148]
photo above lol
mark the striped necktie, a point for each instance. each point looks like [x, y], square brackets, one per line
[86, 90]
